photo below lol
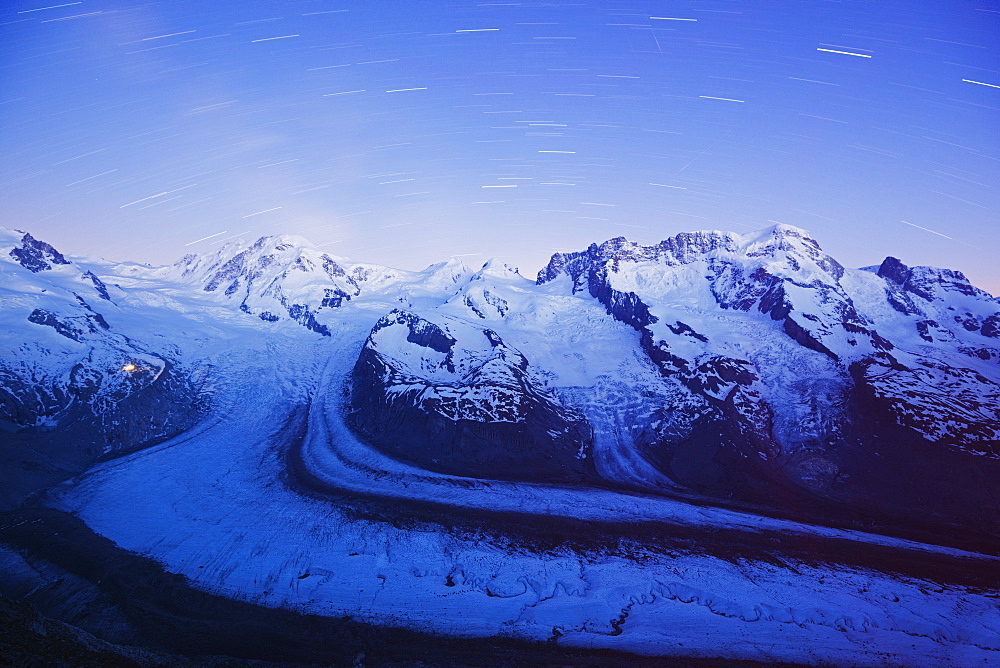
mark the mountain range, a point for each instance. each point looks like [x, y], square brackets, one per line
[713, 381]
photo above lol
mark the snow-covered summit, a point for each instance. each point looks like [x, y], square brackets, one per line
[21, 249]
[819, 374]
[30, 253]
[781, 273]
[286, 276]
[275, 277]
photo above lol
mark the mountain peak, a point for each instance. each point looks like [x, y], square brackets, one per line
[926, 282]
[453, 263]
[35, 255]
[784, 230]
[497, 269]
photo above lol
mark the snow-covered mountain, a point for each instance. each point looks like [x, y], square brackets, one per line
[813, 378]
[76, 386]
[286, 277]
[758, 367]
[281, 426]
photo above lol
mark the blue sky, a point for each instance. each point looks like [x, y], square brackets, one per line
[406, 132]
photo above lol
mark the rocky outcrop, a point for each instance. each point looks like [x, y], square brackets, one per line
[929, 293]
[74, 327]
[454, 398]
[99, 285]
[35, 255]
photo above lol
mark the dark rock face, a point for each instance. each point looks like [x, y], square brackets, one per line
[36, 256]
[306, 317]
[56, 421]
[72, 327]
[102, 289]
[334, 298]
[456, 399]
[991, 326]
[926, 282]
[622, 306]
[895, 271]
[954, 406]
[729, 445]
[935, 288]
[926, 446]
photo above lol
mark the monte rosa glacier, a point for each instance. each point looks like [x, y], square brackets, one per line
[717, 450]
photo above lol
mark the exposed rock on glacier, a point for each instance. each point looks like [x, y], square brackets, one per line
[454, 398]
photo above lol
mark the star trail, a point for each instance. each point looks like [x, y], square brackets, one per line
[404, 133]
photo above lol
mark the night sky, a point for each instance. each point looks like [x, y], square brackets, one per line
[406, 132]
